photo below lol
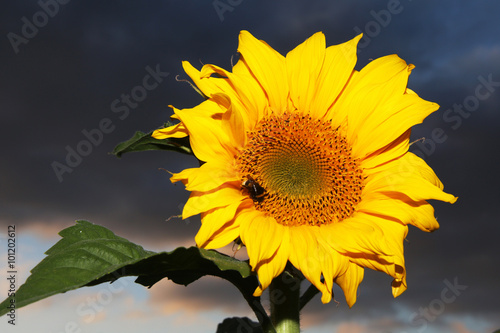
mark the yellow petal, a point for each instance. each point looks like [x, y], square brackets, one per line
[394, 150]
[303, 66]
[377, 263]
[268, 66]
[355, 234]
[393, 118]
[374, 87]
[399, 183]
[227, 84]
[174, 131]
[270, 268]
[227, 234]
[412, 162]
[350, 281]
[392, 264]
[200, 202]
[208, 86]
[208, 176]
[394, 233]
[260, 245]
[232, 121]
[399, 286]
[419, 214]
[218, 227]
[183, 176]
[337, 68]
[333, 264]
[305, 256]
[208, 140]
[249, 97]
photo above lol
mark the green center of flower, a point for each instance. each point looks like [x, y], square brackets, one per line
[293, 170]
[305, 169]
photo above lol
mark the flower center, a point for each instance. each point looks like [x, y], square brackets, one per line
[305, 167]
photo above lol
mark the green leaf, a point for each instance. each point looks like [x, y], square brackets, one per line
[89, 254]
[184, 266]
[144, 141]
[86, 251]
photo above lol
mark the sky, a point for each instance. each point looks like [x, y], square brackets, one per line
[66, 68]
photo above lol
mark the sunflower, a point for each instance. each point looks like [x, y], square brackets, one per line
[306, 160]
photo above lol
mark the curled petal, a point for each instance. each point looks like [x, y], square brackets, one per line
[248, 95]
[174, 131]
[349, 282]
[232, 121]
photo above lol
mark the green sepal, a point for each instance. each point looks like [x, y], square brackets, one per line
[144, 141]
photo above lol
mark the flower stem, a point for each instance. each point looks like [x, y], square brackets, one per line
[261, 314]
[284, 293]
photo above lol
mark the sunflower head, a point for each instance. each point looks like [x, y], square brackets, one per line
[306, 161]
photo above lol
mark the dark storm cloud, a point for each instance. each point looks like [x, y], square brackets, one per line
[65, 79]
